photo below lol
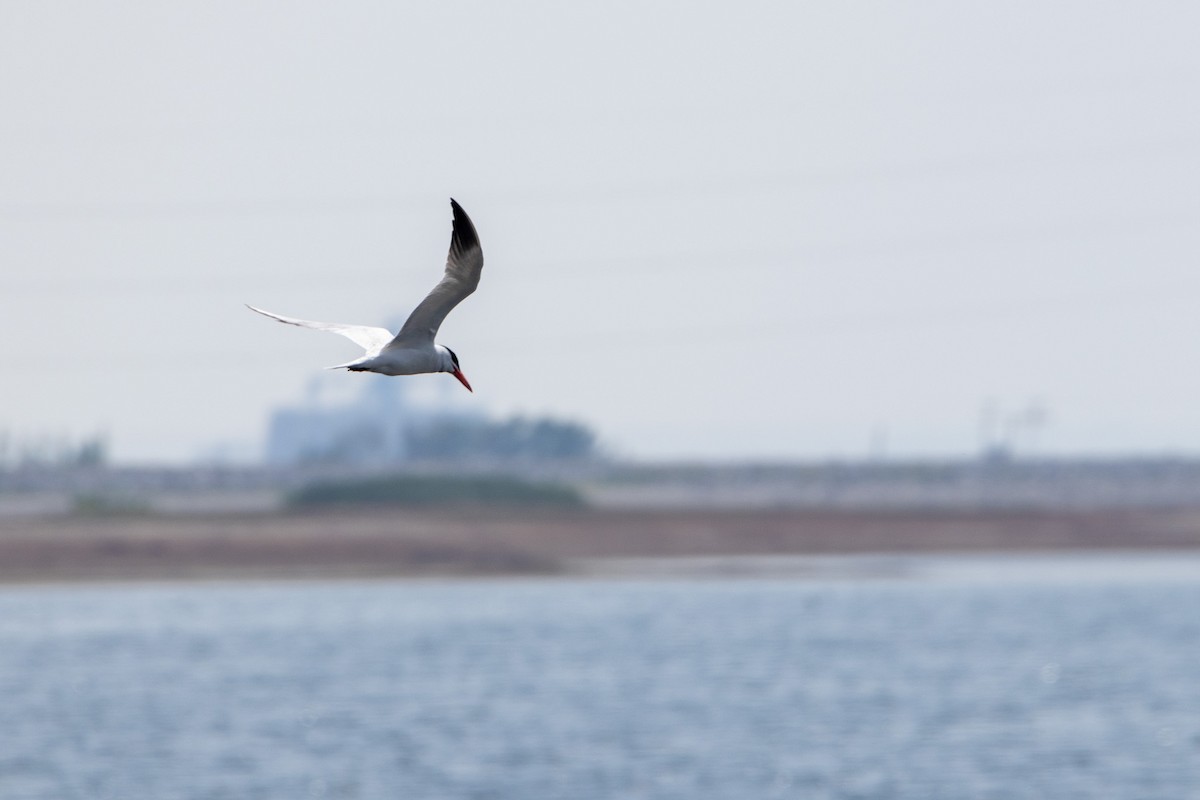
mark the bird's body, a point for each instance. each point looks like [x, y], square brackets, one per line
[413, 351]
[403, 361]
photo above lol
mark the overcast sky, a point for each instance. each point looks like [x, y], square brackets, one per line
[731, 230]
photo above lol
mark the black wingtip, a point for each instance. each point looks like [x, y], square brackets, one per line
[464, 237]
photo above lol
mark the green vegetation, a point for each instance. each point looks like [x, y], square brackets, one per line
[436, 491]
[90, 504]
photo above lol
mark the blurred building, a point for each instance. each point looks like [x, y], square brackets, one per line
[369, 427]
[392, 421]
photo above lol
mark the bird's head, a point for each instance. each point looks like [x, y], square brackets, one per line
[450, 364]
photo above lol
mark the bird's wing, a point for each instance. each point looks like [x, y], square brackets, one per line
[463, 266]
[366, 337]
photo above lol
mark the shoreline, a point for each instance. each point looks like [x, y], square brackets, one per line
[480, 543]
[975, 567]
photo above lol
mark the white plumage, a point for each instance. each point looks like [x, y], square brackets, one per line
[413, 350]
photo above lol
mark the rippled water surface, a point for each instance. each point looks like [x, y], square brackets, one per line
[1037, 685]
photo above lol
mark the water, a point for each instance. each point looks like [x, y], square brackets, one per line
[1036, 685]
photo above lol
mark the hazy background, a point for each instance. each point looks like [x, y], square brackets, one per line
[781, 230]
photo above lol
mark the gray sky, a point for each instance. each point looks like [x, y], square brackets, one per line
[711, 229]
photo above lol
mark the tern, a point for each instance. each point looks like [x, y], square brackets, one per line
[412, 351]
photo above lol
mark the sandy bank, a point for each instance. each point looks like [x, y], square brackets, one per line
[397, 542]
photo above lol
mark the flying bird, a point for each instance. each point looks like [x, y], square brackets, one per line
[412, 351]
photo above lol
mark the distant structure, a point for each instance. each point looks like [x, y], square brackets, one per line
[391, 422]
[367, 429]
[1001, 434]
[52, 451]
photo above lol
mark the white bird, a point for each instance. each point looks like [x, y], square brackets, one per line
[412, 351]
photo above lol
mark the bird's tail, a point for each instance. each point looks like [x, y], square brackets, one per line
[353, 366]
